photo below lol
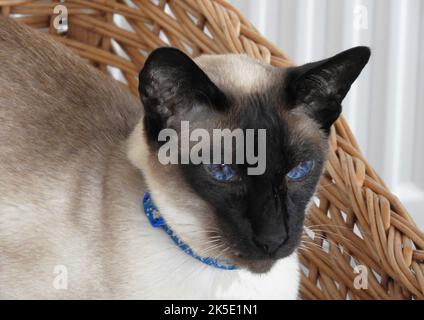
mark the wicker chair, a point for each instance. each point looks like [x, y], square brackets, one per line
[362, 242]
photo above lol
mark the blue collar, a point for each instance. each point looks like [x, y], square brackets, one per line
[157, 221]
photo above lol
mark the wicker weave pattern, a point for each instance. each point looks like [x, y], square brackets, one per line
[355, 220]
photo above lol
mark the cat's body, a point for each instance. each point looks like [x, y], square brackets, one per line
[78, 152]
[69, 196]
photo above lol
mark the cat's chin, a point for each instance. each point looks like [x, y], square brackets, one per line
[255, 266]
[260, 266]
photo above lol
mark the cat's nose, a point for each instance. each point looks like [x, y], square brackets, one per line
[269, 244]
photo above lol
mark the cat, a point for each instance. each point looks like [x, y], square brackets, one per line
[78, 153]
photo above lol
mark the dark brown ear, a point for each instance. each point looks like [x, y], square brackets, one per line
[171, 83]
[321, 86]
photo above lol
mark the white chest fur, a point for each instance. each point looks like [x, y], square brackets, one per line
[169, 273]
[193, 280]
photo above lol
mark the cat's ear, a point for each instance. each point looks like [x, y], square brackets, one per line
[320, 87]
[171, 83]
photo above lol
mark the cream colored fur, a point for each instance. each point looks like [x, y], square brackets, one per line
[73, 169]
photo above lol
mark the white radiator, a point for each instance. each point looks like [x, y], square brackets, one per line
[385, 108]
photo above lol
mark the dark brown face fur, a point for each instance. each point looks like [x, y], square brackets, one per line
[259, 217]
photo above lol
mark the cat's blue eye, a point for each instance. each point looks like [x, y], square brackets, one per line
[301, 171]
[221, 172]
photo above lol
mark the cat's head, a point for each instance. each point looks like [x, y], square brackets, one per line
[222, 211]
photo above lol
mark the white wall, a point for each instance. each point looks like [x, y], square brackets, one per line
[385, 108]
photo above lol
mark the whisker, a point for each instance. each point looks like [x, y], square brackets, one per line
[308, 242]
[336, 226]
[317, 232]
[222, 252]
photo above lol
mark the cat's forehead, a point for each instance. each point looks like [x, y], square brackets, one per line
[256, 90]
[238, 73]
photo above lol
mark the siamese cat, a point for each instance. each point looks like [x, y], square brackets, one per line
[78, 153]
